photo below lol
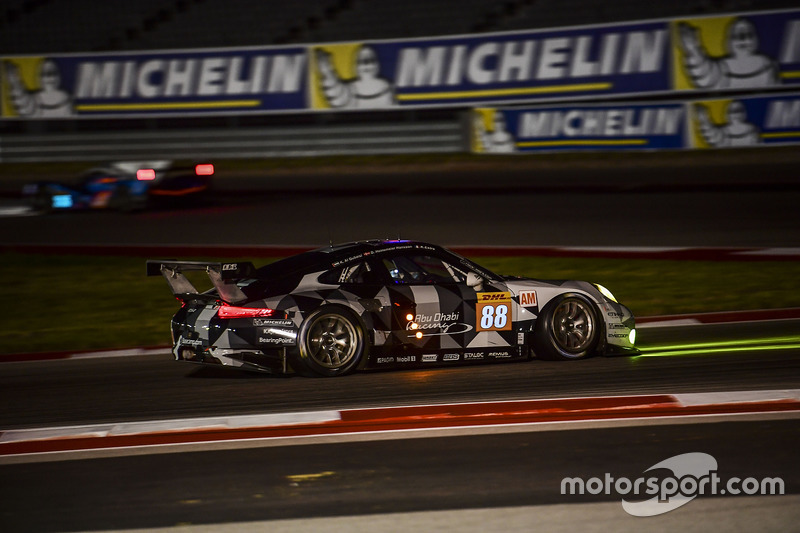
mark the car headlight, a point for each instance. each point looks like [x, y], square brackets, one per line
[605, 292]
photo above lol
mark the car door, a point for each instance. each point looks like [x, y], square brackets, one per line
[433, 305]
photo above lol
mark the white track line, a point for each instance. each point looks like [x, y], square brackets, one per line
[183, 424]
[312, 417]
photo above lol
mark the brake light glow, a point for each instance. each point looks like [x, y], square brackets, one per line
[204, 170]
[230, 311]
[145, 174]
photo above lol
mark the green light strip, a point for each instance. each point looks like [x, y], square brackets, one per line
[724, 344]
[768, 347]
[748, 345]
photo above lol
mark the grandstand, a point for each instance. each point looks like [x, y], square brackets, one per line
[59, 26]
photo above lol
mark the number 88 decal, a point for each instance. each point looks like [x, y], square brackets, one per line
[493, 310]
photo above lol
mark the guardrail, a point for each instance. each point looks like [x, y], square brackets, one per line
[446, 136]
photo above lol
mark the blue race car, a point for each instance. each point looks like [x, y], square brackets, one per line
[124, 186]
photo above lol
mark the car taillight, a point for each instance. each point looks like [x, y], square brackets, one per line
[230, 311]
[145, 174]
[204, 170]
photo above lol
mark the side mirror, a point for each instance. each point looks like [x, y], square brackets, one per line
[474, 281]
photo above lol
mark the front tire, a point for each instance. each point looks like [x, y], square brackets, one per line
[567, 329]
[331, 343]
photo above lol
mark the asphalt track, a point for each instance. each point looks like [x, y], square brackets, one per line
[457, 483]
[153, 387]
[708, 219]
[503, 482]
[461, 482]
[716, 204]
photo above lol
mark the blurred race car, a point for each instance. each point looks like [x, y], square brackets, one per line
[124, 186]
[384, 304]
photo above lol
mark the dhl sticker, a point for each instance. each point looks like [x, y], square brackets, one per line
[493, 311]
[493, 296]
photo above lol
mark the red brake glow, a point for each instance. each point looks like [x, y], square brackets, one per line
[145, 174]
[204, 170]
[230, 311]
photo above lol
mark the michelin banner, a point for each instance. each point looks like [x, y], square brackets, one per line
[748, 51]
[752, 121]
[736, 52]
[160, 83]
[593, 62]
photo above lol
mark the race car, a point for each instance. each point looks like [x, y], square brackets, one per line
[124, 186]
[384, 304]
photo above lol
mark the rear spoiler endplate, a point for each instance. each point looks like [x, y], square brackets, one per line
[222, 275]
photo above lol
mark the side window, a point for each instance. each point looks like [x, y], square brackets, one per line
[421, 269]
[352, 273]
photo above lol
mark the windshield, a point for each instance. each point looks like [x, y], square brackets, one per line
[485, 273]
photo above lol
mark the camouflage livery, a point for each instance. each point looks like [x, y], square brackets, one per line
[385, 304]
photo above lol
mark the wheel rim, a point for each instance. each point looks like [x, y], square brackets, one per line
[573, 326]
[332, 341]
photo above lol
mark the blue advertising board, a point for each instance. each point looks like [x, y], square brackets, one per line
[757, 120]
[761, 120]
[744, 51]
[594, 62]
[158, 83]
[618, 126]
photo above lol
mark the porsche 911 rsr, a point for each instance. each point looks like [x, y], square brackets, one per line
[385, 304]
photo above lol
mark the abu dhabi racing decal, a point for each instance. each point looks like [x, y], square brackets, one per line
[437, 324]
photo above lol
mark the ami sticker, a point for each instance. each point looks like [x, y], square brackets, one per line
[527, 298]
[493, 311]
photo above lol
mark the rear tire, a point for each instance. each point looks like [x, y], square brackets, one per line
[567, 329]
[331, 342]
[124, 201]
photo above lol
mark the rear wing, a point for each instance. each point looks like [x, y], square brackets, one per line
[222, 275]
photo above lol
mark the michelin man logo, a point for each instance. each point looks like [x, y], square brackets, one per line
[45, 100]
[742, 67]
[498, 139]
[367, 90]
[736, 132]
